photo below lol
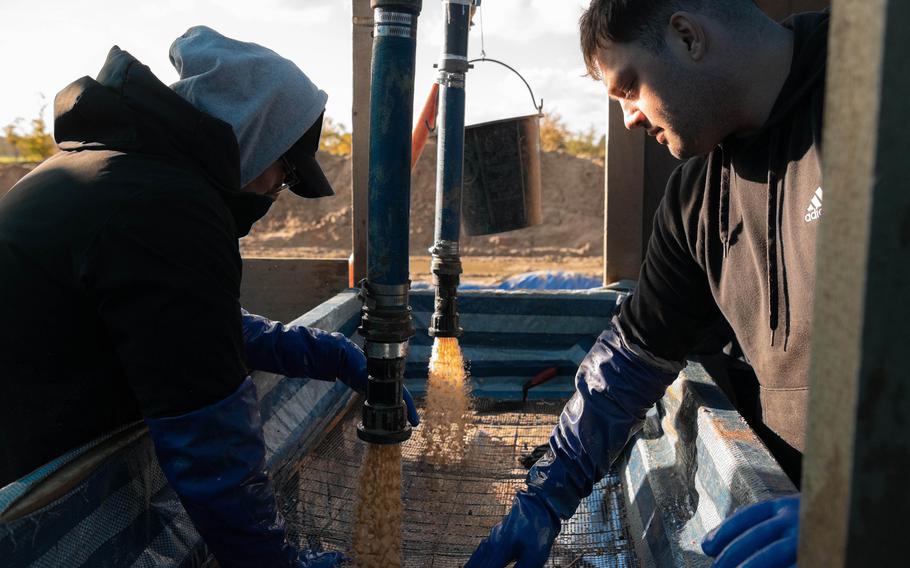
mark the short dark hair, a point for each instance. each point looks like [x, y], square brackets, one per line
[624, 21]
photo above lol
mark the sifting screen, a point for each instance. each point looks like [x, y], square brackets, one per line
[449, 509]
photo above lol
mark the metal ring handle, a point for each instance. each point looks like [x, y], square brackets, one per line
[512, 69]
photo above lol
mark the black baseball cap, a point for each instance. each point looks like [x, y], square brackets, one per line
[309, 179]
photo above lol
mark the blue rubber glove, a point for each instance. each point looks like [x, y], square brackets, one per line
[763, 535]
[214, 459]
[309, 559]
[299, 351]
[614, 389]
[526, 534]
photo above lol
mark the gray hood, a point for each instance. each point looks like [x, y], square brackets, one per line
[267, 99]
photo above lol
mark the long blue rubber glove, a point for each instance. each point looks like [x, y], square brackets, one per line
[763, 535]
[614, 389]
[214, 459]
[299, 351]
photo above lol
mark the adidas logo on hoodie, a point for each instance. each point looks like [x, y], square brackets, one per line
[814, 211]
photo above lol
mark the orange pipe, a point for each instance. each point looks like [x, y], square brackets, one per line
[425, 123]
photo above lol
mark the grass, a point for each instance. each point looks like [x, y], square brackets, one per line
[15, 160]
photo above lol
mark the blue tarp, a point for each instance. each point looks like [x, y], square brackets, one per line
[539, 280]
[695, 461]
[551, 280]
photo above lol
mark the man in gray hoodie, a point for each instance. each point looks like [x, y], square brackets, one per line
[124, 246]
[741, 97]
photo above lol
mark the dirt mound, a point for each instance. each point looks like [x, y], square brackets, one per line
[572, 214]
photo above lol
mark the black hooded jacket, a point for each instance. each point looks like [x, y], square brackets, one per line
[735, 238]
[120, 267]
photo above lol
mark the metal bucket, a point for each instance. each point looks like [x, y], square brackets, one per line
[501, 176]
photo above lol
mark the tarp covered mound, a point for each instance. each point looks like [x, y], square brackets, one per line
[550, 280]
[540, 280]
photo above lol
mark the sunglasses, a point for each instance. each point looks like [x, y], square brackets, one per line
[290, 174]
[308, 144]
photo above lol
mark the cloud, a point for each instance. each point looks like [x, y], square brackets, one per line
[493, 95]
[304, 13]
[537, 38]
[531, 20]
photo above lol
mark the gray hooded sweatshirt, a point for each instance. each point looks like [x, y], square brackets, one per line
[266, 98]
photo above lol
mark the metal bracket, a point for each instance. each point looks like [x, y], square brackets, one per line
[386, 350]
[443, 249]
[451, 80]
[413, 6]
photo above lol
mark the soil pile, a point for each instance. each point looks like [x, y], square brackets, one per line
[573, 204]
[572, 213]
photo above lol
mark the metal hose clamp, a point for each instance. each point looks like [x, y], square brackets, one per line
[376, 350]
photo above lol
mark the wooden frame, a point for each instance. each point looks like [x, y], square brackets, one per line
[858, 449]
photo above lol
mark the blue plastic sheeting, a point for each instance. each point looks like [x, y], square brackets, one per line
[541, 280]
[12, 492]
[121, 512]
[551, 280]
[693, 464]
[118, 510]
[511, 336]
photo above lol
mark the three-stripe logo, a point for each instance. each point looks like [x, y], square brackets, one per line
[814, 211]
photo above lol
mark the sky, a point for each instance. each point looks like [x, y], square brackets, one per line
[48, 44]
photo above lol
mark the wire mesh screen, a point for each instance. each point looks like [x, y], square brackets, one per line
[449, 509]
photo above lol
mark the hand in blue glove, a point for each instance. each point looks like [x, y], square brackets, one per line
[299, 351]
[309, 559]
[526, 534]
[354, 372]
[761, 535]
[614, 389]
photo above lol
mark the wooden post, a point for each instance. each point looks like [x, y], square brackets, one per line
[855, 475]
[271, 286]
[362, 54]
[636, 176]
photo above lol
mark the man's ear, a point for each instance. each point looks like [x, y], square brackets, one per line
[687, 36]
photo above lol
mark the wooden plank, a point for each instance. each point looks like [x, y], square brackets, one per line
[855, 494]
[284, 288]
[362, 54]
[623, 198]
[636, 177]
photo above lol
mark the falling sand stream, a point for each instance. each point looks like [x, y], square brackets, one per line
[377, 536]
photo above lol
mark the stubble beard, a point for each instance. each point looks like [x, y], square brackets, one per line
[695, 115]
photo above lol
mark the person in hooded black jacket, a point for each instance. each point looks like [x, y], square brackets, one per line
[121, 280]
[741, 97]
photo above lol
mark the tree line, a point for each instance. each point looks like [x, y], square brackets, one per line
[31, 142]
